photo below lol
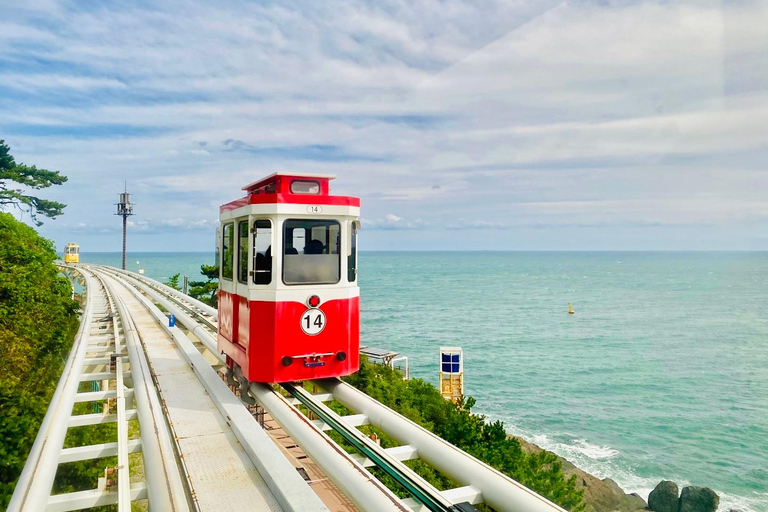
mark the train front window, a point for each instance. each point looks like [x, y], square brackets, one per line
[305, 187]
[311, 251]
[242, 246]
[262, 252]
[227, 250]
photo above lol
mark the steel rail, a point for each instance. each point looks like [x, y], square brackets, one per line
[473, 493]
[481, 482]
[422, 490]
[40, 470]
[172, 300]
[498, 490]
[123, 462]
[182, 303]
[283, 480]
[165, 489]
[211, 311]
[200, 332]
[34, 486]
[364, 490]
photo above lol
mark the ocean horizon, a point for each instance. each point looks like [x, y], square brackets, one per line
[661, 373]
[485, 250]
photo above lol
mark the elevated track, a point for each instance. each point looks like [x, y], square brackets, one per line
[201, 445]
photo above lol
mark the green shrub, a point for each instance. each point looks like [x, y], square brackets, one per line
[206, 291]
[37, 324]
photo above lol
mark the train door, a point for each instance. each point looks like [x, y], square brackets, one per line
[262, 252]
[242, 257]
[227, 309]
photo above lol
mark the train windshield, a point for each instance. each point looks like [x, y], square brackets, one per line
[311, 251]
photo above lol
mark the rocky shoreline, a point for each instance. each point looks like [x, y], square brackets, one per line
[600, 495]
[605, 495]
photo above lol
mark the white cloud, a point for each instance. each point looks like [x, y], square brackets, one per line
[393, 222]
[505, 114]
[49, 81]
[148, 225]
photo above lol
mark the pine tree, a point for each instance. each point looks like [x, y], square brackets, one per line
[29, 177]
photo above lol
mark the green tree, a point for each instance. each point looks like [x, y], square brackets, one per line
[38, 320]
[173, 281]
[206, 291]
[31, 177]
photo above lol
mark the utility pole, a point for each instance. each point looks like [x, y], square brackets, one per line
[125, 210]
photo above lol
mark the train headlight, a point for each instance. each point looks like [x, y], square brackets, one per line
[313, 301]
[341, 356]
[287, 361]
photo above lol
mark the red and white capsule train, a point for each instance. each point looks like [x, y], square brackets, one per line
[288, 297]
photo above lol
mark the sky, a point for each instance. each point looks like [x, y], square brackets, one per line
[461, 125]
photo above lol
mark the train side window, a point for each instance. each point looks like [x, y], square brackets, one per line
[262, 252]
[242, 243]
[354, 226]
[311, 251]
[227, 250]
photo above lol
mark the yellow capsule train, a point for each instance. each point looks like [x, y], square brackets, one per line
[72, 253]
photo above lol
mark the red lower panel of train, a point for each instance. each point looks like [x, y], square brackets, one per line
[269, 340]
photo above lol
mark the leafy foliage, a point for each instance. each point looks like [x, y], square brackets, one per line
[422, 403]
[206, 291]
[173, 281]
[31, 177]
[37, 323]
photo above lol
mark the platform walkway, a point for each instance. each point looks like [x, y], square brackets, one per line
[220, 475]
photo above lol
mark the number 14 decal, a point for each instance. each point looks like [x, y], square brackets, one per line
[313, 321]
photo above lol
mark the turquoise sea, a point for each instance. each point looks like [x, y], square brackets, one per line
[662, 373]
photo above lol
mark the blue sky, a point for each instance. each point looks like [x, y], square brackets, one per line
[461, 124]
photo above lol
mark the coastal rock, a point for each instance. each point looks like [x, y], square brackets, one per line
[698, 499]
[664, 497]
[599, 495]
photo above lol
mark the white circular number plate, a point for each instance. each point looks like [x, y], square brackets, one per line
[314, 209]
[313, 321]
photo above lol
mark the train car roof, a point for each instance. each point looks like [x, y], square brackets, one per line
[267, 179]
[278, 188]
